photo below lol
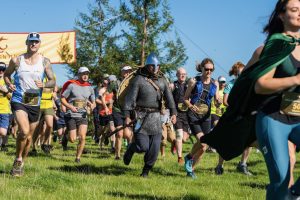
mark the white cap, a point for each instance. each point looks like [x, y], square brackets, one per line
[112, 78]
[222, 78]
[83, 69]
[125, 68]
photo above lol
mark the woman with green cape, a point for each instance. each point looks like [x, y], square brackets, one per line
[266, 100]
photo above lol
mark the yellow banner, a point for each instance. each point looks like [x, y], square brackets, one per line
[59, 47]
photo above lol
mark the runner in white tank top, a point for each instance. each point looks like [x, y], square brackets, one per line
[30, 69]
[25, 78]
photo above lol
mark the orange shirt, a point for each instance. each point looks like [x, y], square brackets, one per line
[108, 98]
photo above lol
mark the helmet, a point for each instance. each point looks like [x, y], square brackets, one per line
[152, 60]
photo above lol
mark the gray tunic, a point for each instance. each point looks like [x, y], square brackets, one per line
[141, 94]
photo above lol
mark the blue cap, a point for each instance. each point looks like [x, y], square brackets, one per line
[34, 36]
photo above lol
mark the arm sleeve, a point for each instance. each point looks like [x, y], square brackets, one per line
[169, 98]
[131, 96]
[68, 91]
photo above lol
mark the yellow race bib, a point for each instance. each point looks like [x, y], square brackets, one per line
[290, 104]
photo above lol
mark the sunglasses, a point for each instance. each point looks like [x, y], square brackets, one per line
[206, 69]
[222, 82]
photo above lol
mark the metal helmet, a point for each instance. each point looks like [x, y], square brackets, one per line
[153, 60]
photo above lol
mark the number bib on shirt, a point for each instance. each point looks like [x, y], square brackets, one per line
[31, 98]
[182, 107]
[203, 108]
[290, 104]
[78, 103]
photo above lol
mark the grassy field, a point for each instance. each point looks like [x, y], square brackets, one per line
[99, 176]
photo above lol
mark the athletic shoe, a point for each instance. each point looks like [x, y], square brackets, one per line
[45, 148]
[113, 150]
[210, 150]
[188, 164]
[18, 169]
[191, 174]
[293, 195]
[33, 152]
[243, 169]
[144, 175]
[219, 170]
[117, 158]
[180, 161]
[77, 160]
[128, 156]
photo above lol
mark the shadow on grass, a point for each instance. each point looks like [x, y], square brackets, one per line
[253, 163]
[161, 171]
[152, 197]
[253, 185]
[92, 169]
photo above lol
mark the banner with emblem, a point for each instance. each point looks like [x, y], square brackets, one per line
[59, 47]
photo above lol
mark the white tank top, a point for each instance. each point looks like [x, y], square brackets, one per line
[26, 90]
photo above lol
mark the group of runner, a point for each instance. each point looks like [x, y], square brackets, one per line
[262, 99]
[39, 106]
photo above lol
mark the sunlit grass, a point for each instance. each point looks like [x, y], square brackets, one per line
[99, 176]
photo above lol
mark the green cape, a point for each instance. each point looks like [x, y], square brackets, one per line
[235, 130]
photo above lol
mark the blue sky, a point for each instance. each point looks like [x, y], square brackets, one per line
[226, 31]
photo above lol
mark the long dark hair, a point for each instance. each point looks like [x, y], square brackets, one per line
[275, 24]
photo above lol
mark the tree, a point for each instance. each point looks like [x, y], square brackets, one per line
[148, 22]
[97, 46]
[108, 38]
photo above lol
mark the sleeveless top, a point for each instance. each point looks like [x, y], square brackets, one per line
[203, 92]
[108, 97]
[24, 79]
[271, 105]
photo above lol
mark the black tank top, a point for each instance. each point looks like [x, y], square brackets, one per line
[271, 105]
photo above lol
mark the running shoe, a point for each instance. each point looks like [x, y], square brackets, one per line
[77, 160]
[188, 164]
[191, 174]
[243, 168]
[33, 152]
[45, 148]
[219, 170]
[18, 169]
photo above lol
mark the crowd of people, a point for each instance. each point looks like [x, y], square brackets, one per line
[145, 110]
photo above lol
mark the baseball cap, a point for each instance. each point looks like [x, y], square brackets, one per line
[125, 68]
[112, 78]
[222, 79]
[34, 36]
[83, 69]
[2, 66]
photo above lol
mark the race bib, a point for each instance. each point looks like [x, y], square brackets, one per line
[290, 104]
[182, 107]
[202, 108]
[219, 111]
[31, 98]
[79, 103]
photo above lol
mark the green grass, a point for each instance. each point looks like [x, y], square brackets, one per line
[99, 176]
